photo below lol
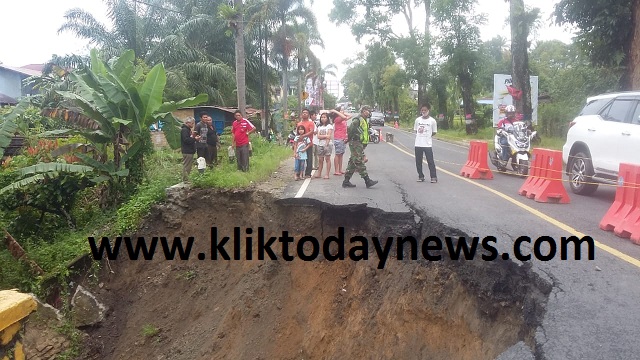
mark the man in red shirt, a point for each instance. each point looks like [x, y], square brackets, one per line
[240, 130]
[309, 127]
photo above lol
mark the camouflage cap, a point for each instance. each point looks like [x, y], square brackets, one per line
[365, 107]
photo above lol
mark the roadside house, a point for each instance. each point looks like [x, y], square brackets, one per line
[12, 85]
[222, 116]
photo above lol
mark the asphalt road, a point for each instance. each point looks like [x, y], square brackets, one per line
[594, 308]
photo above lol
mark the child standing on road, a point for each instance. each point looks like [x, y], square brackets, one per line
[301, 144]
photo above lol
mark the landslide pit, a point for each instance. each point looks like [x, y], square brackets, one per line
[309, 310]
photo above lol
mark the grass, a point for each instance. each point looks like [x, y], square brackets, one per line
[54, 251]
[265, 160]
[163, 170]
[149, 330]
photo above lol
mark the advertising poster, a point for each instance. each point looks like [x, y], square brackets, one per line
[315, 94]
[503, 93]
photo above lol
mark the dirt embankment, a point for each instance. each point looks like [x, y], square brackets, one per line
[308, 309]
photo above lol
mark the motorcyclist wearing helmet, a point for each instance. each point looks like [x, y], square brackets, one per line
[504, 126]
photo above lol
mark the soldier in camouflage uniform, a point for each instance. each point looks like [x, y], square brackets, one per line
[358, 135]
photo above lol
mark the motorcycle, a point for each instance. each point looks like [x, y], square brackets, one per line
[519, 148]
[374, 137]
[291, 138]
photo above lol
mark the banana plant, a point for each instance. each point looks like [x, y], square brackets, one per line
[8, 127]
[122, 100]
[41, 171]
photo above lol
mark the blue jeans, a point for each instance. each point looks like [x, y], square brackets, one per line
[299, 165]
[505, 148]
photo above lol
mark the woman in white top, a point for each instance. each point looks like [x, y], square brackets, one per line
[325, 146]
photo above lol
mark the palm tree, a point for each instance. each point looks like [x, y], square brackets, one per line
[282, 16]
[234, 15]
[172, 32]
[135, 27]
[320, 73]
[306, 60]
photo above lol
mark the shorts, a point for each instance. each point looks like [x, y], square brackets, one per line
[340, 145]
[325, 150]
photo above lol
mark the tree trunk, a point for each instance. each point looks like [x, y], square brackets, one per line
[285, 87]
[440, 89]
[520, 57]
[466, 87]
[423, 73]
[285, 68]
[19, 254]
[300, 84]
[116, 146]
[262, 93]
[267, 89]
[422, 89]
[396, 108]
[240, 58]
[632, 73]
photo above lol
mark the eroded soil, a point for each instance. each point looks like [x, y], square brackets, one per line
[308, 309]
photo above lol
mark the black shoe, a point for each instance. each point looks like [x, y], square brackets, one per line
[370, 182]
[347, 184]
[434, 180]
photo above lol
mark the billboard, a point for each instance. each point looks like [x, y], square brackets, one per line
[314, 89]
[502, 97]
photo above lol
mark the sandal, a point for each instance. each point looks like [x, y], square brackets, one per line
[326, 177]
[337, 174]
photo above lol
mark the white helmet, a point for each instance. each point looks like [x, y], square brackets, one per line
[510, 109]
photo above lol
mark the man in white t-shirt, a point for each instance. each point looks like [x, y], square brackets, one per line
[425, 127]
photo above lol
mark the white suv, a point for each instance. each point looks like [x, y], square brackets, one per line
[604, 134]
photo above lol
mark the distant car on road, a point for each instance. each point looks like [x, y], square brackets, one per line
[604, 134]
[377, 118]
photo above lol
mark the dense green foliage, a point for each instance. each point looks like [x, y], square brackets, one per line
[604, 30]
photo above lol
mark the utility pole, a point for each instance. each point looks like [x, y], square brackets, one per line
[262, 94]
[240, 56]
[266, 90]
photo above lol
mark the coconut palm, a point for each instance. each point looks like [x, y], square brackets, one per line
[135, 26]
[187, 39]
[235, 16]
[306, 60]
[282, 17]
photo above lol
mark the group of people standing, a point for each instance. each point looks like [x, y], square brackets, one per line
[202, 139]
[319, 140]
[314, 143]
[356, 136]
[311, 141]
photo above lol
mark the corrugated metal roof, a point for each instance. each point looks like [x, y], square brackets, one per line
[36, 67]
[24, 71]
[250, 111]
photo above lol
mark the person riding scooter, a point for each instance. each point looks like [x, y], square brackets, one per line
[504, 126]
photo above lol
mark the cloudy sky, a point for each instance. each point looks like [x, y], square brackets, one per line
[29, 29]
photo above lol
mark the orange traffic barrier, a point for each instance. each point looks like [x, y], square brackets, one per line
[623, 217]
[477, 166]
[544, 183]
